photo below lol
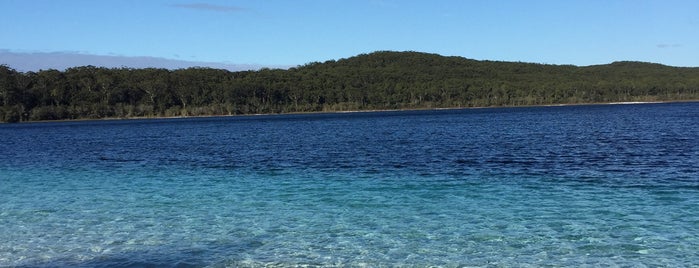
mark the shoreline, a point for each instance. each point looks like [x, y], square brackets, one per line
[353, 111]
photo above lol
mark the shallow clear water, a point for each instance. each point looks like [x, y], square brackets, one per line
[549, 186]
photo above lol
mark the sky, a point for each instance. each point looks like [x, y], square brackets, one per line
[295, 32]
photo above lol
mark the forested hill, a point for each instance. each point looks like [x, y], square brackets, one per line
[380, 80]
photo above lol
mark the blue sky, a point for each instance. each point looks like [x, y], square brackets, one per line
[295, 32]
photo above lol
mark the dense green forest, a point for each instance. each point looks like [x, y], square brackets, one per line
[380, 80]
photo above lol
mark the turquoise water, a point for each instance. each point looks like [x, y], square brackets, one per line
[613, 185]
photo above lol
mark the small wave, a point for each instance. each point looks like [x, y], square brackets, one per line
[104, 158]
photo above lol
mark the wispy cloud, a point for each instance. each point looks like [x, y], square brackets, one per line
[35, 61]
[209, 7]
[668, 45]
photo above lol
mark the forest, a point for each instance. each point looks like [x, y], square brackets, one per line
[374, 81]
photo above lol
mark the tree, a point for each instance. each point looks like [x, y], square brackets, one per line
[380, 80]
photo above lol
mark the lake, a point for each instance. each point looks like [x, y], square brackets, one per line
[600, 185]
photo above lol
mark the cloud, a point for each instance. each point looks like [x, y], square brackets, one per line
[209, 7]
[35, 61]
[668, 45]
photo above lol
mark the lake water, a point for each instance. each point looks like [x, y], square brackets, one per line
[601, 185]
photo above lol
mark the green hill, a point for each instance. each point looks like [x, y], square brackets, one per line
[379, 80]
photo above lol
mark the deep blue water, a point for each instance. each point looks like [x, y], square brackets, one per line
[602, 185]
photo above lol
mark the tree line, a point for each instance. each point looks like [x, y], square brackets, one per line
[379, 80]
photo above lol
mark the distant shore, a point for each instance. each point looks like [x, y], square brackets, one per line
[378, 81]
[357, 111]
